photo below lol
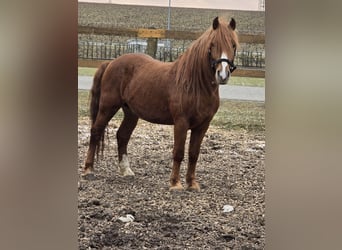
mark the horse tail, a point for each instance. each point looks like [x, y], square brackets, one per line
[95, 102]
[96, 92]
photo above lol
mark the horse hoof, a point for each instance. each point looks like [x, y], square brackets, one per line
[126, 172]
[176, 187]
[87, 171]
[124, 167]
[88, 175]
[193, 187]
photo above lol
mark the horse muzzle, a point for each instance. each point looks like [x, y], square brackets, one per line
[222, 75]
[222, 80]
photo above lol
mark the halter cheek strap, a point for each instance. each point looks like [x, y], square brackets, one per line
[213, 62]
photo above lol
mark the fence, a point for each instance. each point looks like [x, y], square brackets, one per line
[105, 51]
[91, 54]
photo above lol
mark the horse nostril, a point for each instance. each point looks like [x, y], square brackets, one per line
[219, 75]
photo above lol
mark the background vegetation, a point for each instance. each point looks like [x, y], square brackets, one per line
[114, 15]
[129, 16]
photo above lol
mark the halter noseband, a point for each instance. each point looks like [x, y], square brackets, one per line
[214, 62]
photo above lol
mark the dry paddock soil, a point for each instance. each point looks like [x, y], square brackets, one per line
[231, 171]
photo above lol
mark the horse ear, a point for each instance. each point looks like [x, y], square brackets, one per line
[215, 23]
[232, 24]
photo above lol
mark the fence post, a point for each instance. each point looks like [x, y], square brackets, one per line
[152, 44]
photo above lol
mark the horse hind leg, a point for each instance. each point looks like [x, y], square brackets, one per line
[96, 133]
[123, 135]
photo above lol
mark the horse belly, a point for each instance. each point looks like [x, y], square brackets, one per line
[166, 120]
[152, 111]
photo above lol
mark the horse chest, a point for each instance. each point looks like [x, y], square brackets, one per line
[204, 113]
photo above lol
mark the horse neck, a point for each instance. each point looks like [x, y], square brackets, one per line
[193, 71]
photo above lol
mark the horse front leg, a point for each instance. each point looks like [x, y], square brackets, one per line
[196, 138]
[180, 130]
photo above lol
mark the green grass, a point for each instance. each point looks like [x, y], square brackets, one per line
[232, 115]
[83, 71]
[83, 103]
[235, 80]
[247, 81]
[246, 115]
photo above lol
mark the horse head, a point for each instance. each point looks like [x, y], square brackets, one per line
[222, 49]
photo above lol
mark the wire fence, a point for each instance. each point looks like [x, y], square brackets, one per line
[107, 51]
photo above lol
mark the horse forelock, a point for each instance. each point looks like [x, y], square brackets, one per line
[225, 36]
[194, 73]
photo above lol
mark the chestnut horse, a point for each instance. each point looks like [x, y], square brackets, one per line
[184, 93]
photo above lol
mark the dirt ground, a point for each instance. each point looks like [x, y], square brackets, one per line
[230, 171]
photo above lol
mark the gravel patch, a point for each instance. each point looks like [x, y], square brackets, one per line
[230, 171]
